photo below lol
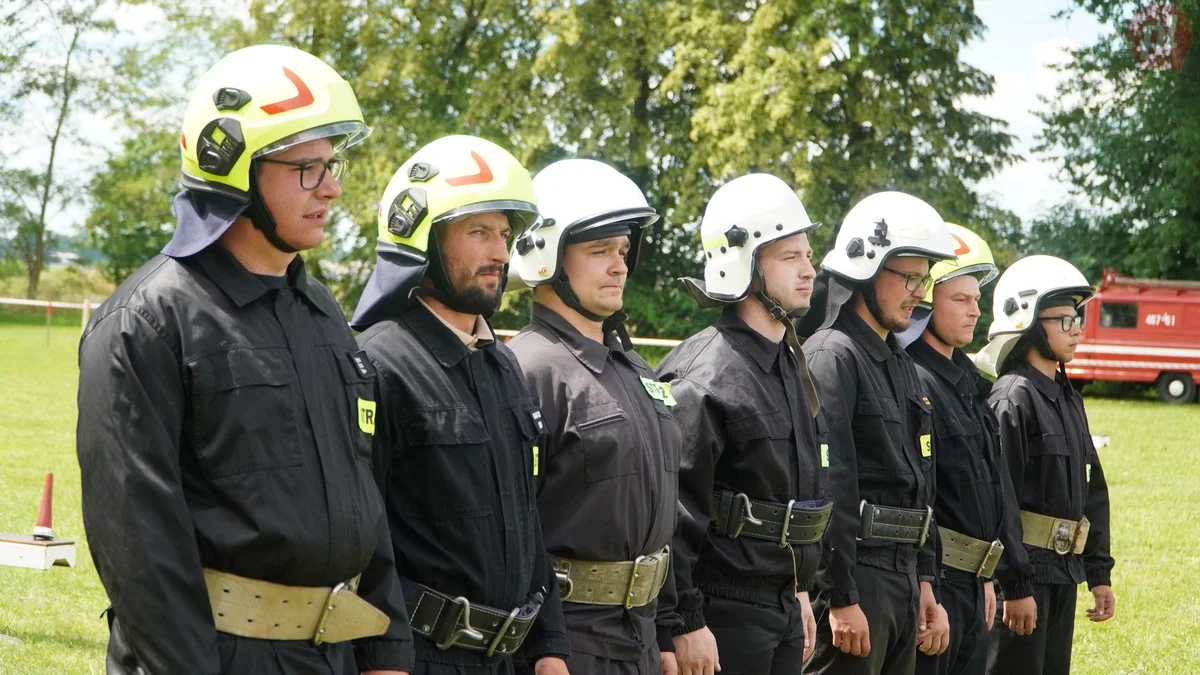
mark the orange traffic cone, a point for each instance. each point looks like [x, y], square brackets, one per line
[42, 529]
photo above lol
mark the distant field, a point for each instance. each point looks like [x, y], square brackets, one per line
[51, 622]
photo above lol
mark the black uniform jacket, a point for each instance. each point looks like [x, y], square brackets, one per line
[455, 453]
[880, 446]
[219, 426]
[747, 428]
[971, 474]
[608, 472]
[1055, 471]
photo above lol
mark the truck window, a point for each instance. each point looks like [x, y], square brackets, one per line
[1118, 315]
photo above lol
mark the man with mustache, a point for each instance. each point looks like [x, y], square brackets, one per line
[224, 433]
[877, 605]
[971, 497]
[752, 509]
[458, 432]
[608, 466]
[1055, 472]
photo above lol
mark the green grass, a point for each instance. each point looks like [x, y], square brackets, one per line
[1152, 464]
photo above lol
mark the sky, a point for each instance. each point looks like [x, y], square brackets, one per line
[1021, 42]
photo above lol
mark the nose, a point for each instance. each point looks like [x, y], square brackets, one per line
[498, 249]
[807, 271]
[620, 267]
[973, 309]
[329, 187]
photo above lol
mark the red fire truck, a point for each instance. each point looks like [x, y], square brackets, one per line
[1145, 331]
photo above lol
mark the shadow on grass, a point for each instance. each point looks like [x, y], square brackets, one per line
[42, 638]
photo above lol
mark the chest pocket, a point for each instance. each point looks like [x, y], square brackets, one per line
[448, 455]
[1048, 480]
[608, 440]
[243, 412]
[361, 412]
[961, 445]
[878, 419]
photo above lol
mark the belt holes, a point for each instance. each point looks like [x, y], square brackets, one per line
[277, 625]
[249, 620]
[297, 625]
[257, 597]
[220, 613]
[309, 602]
[225, 590]
[285, 602]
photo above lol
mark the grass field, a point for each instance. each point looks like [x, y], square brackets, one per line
[50, 621]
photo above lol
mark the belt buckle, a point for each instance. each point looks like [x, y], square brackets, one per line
[633, 577]
[1062, 540]
[565, 586]
[502, 630]
[1081, 530]
[925, 526]
[747, 515]
[787, 523]
[995, 548]
[866, 521]
[457, 634]
[319, 631]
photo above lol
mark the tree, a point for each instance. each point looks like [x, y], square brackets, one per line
[55, 81]
[1124, 126]
[131, 219]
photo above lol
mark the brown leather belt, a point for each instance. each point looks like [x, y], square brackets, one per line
[969, 554]
[268, 611]
[1056, 534]
[627, 583]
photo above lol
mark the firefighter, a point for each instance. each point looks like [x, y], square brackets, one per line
[1054, 470]
[877, 604]
[224, 431]
[608, 466]
[970, 500]
[459, 431]
[752, 510]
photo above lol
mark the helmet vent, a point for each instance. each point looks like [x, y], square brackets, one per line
[736, 236]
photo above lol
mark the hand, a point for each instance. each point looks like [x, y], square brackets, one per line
[1020, 616]
[850, 631]
[696, 653]
[550, 665]
[989, 604]
[933, 626]
[1106, 604]
[810, 624]
[669, 665]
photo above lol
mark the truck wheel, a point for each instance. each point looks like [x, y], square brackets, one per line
[1176, 388]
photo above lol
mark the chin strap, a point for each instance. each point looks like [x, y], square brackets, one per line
[785, 317]
[260, 216]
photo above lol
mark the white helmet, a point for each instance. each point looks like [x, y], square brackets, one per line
[578, 200]
[884, 225]
[744, 215]
[1019, 297]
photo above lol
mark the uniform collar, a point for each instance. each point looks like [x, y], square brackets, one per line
[243, 288]
[593, 355]
[437, 337]
[958, 370]
[480, 336]
[879, 349]
[764, 352]
[1046, 386]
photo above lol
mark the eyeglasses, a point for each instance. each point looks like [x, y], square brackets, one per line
[912, 282]
[312, 172]
[1066, 322]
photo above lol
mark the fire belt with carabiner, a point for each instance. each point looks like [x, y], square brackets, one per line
[891, 523]
[457, 622]
[736, 515]
[1056, 534]
[627, 583]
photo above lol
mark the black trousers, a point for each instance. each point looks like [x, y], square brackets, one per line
[650, 663]
[426, 668]
[962, 598]
[1048, 650]
[890, 599]
[758, 635]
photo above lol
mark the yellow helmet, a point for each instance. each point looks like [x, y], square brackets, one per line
[260, 100]
[973, 256]
[451, 177]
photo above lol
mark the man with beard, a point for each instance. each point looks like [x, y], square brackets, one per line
[752, 510]
[224, 454]
[457, 433]
[1055, 472]
[971, 498]
[608, 468]
[876, 604]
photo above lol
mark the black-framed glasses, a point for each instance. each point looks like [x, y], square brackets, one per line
[912, 282]
[1067, 322]
[312, 172]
